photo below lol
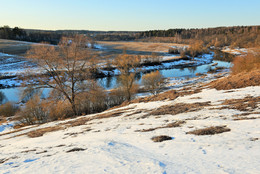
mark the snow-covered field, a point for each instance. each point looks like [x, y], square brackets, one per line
[114, 144]
[235, 51]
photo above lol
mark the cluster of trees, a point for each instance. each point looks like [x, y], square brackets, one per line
[68, 72]
[17, 33]
[127, 36]
[195, 49]
[12, 33]
[239, 36]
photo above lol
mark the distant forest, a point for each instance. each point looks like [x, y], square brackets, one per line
[238, 36]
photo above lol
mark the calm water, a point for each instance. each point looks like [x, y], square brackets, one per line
[111, 82]
[223, 60]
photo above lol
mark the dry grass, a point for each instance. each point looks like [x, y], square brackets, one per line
[161, 138]
[170, 125]
[210, 130]
[248, 103]
[179, 108]
[14, 47]
[141, 46]
[42, 131]
[168, 95]
[18, 130]
[240, 80]
[84, 120]
[244, 116]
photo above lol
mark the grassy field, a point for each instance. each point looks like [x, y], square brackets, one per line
[139, 46]
[112, 49]
[14, 47]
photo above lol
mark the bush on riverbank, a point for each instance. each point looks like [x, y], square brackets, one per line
[8, 109]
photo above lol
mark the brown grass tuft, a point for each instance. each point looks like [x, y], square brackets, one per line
[210, 130]
[248, 103]
[179, 108]
[161, 138]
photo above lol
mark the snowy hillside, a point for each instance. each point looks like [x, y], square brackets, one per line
[119, 140]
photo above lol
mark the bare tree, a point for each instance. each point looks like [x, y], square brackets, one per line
[65, 66]
[127, 65]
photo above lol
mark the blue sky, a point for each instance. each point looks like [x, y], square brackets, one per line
[132, 15]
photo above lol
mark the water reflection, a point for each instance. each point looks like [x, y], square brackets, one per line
[2, 98]
[222, 56]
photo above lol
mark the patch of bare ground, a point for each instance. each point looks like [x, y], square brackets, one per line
[254, 139]
[26, 151]
[210, 130]
[45, 151]
[170, 125]
[240, 80]
[42, 131]
[6, 159]
[178, 108]
[244, 116]
[161, 138]
[248, 103]
[76, 149]
[3, 160]
[137, 112]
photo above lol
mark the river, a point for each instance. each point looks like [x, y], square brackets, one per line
[222, 60]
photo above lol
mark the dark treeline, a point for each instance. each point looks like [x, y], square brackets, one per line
[12, 33]
[238, 36]
[17, 33]
[54, 37]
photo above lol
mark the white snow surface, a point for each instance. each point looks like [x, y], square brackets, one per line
[114, 146]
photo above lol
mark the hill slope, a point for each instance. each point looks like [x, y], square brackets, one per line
[119, 140]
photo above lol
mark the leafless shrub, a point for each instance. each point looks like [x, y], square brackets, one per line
[34, 112]
[8, 109]
[153, 81]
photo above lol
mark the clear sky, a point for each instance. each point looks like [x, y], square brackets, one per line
[131, 15]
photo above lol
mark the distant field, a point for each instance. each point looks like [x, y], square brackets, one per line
[111, 48]
[14, 47]
[140, 46]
